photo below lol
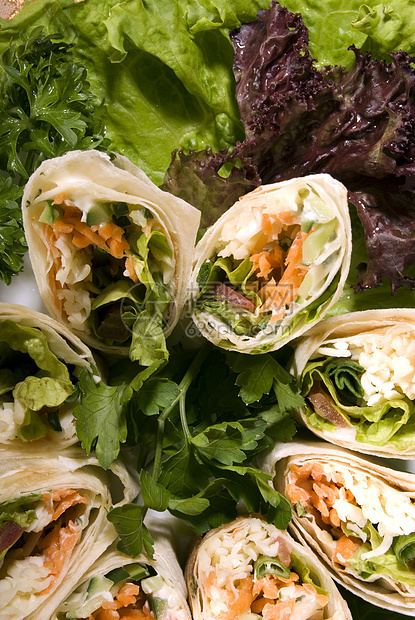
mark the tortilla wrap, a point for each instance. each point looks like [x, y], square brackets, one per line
[162, 587]
[110, 251]
[273, 264]
[39, 366]
[357, 374]
[356, 514]
[53, 525]
[232, 564]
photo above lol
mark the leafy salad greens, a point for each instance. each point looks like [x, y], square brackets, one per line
[45, 110]
[198, 423]
[85, 75]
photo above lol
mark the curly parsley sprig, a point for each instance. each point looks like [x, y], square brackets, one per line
[46, 109]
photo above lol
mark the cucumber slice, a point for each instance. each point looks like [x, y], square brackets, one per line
[51, 213]
[97, 593]
[99, 213]
[159, 607]
[316, 241]
[314, 211]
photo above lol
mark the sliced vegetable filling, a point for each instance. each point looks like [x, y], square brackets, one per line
[37, 535]
[133, 592]
[248, 573]
[36, 387]
[110, 268]
[371, 525]
[270, 261]
[365, 383]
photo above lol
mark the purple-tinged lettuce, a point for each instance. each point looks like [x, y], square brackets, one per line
[357, 125]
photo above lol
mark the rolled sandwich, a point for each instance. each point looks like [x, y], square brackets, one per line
[357, 374]
[358, 516]
[130, 588]
[248, 570]
[273, 264]
[53, 525]
[40, 361]
[110, 251]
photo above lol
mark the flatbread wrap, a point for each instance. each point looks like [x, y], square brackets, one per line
[356, 514]
[53, 525]
[357, 374]
[273, 264]
[140, 587]
[248, 570]
[40, 361]
[110, 251]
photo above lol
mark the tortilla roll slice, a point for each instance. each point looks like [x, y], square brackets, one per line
[273, 264]
[357, 515]
[110, 251]
[357, 373]
[248, 570]
[140, 587]
[53, 525]
[40, 361]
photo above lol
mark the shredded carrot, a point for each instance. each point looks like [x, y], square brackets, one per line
[267, 223]
[269, 260]
[297, 494]
[321, 599]
[59, 198]
[147, 228]
[71, 499]
[117, 248]
[107, 236]
[120, 607]
[281, 610]
[242, 599]
[268, 585]
[277, 297]
[287, 218]
[345, 549]
[129, 266]
[309, 484]
[57, 546]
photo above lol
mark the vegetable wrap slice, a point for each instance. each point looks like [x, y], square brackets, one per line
[53, 525]
[40, 361]
[273, 264]
[110, 251]
[129, 588]
[357, 515]
[248, 570]
[357, 374]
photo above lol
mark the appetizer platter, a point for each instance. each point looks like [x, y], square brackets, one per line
[207, 310]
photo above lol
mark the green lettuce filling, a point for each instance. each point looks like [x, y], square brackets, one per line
[299, 565]
[134, 313]
[33, 375]
[391, 423]
[245, 323]
[388, 563]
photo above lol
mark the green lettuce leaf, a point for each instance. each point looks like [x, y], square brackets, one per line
[386, 564]
[374, 26]
[392, 422]
[20, 510]
[52, 383]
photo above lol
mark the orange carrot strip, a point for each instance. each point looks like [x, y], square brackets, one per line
[117, 248]
[345, 549]
[297, 494]
[71, 500]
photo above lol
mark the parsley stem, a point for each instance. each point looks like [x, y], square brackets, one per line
[184, 385]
